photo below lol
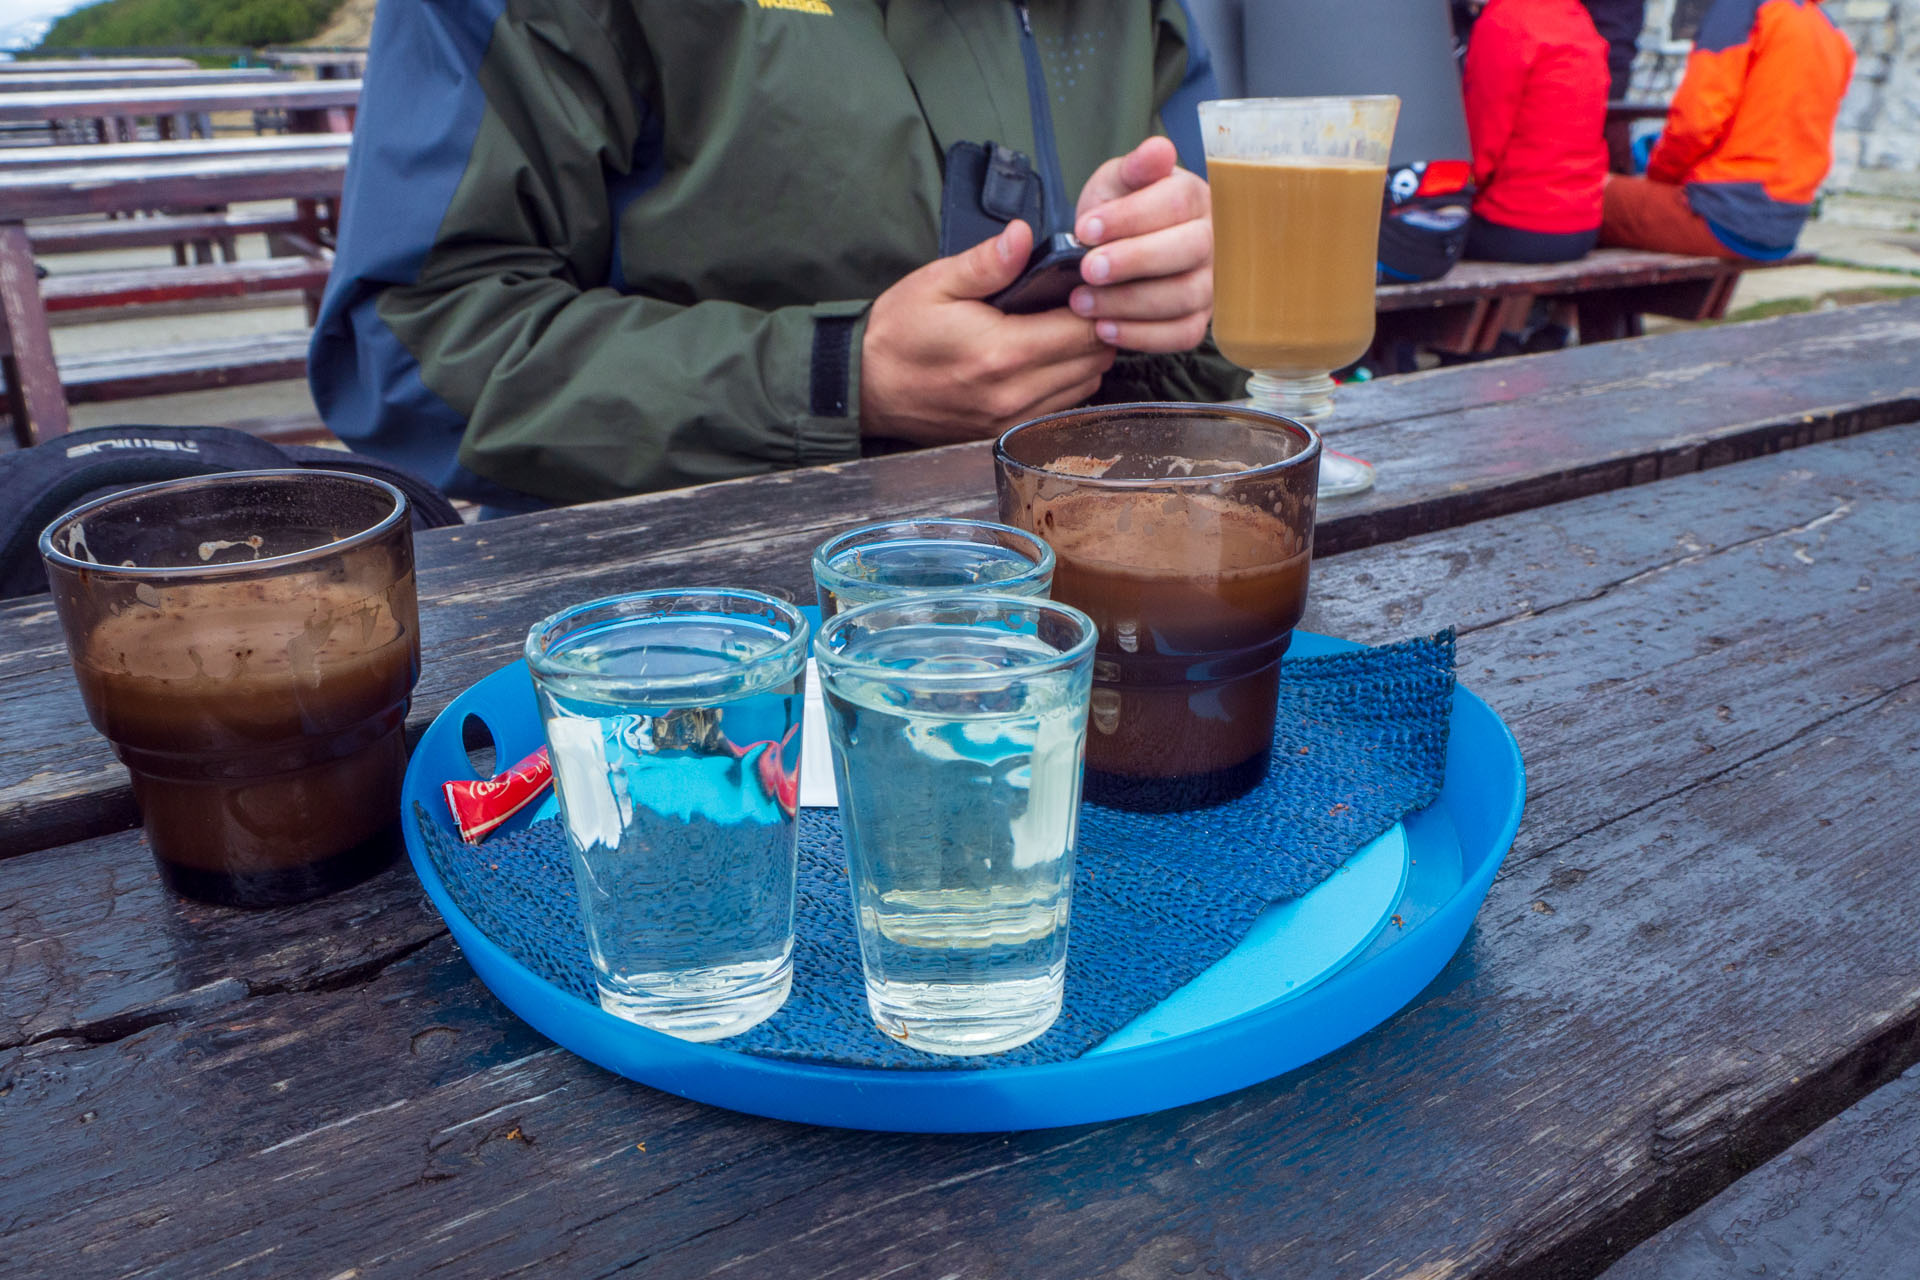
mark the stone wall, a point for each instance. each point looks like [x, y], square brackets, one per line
[1876, 145]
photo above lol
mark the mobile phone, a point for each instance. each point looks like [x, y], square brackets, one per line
[1050, 277]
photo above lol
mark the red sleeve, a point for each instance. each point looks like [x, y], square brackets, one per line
[1701, 111]
[1498, 58]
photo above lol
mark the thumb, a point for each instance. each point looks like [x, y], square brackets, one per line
[989, 266]
[1143, 166]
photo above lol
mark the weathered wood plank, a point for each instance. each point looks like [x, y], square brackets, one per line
[1600, 269]
[195, 366]
[1839, 1202]
[97, 949]
[19, 159]
[177, 80]
[76, 104]
[146, 286]
[1699, 950]
[1453, 446]
[1509, 435]
[191, 183]
[124, 233]
[42, 66]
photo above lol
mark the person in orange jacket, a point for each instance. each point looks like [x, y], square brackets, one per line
[1749, 136]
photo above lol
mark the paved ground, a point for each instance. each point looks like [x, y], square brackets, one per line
[1856, 264]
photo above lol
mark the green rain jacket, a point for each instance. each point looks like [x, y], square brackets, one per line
[599, 247]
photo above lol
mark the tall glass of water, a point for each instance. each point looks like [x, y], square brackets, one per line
[913, 557]
[958, 724]
[673, 724]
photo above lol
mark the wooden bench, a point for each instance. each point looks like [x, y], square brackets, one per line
[1465, 311]
[35, 400]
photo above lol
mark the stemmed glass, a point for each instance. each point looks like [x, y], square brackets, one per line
[1297, 184]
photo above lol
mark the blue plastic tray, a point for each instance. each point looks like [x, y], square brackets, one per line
[1312, 976]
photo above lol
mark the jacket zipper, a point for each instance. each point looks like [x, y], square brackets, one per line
[1052, 185]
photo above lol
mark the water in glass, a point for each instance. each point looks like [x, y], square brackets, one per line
[681, 818]
[878, 571]
[960, 826]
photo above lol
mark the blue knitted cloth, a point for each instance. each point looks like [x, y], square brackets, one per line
[1360, 741]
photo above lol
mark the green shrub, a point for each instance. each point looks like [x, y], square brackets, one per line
[133, 23]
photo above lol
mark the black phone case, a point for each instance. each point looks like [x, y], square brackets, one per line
[986, 187]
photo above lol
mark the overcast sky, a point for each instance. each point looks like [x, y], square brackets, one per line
[24, 21]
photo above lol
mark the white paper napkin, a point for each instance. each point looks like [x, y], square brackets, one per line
[816, 757]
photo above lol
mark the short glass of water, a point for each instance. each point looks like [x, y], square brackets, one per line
[958, 724]
[913, 557]
[673, 724]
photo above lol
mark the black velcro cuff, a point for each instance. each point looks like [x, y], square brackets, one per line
[832, 365]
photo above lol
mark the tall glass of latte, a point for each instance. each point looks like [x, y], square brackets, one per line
[1297, 185]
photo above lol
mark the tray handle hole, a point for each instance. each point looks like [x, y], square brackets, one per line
[477, 740]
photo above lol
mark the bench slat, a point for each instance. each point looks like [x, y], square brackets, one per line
[84, 104]
[17, 159]
[131, 233]
[111, 78]
[100, 289]
[1601, 269]
[192, 183]
[117, 375]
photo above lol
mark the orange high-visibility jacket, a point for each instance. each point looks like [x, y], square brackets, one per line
[1750, 131]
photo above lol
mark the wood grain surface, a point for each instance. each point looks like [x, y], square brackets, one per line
[185, 99]
[1452, 446]
[125, 78]
[1598, 269]
[194, 182]
[1699, 950]
[19, 159]
[1843, 1201]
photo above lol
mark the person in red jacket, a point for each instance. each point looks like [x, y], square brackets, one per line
[1536, 93]
[1749, 136]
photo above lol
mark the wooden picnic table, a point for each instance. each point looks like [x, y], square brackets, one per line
[1699, 952]
[34, 398]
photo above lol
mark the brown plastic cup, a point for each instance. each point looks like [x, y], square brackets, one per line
[248, 643]
[1186, 533]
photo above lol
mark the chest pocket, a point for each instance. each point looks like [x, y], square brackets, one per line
[795, 165]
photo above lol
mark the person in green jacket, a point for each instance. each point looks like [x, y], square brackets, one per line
[600, 247]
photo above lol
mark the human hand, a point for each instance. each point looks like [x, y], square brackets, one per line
[938, 365]
[1149, 276]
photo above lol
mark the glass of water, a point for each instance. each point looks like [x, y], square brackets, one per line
[912, 557]
[673, 724]
[958, 723]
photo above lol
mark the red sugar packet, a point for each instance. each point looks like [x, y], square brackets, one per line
[480, 805]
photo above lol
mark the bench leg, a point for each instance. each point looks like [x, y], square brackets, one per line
[34, 395]
[1606, 318]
